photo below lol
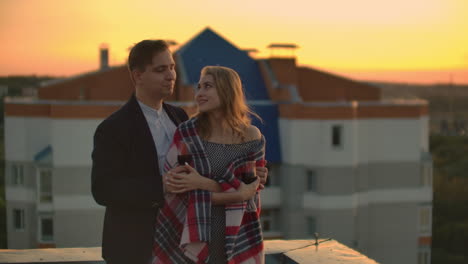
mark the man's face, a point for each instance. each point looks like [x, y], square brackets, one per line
[158, 79]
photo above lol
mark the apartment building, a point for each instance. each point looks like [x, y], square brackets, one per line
[343, 163]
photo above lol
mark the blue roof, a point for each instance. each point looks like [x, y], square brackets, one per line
[208, 48]
[269, 128]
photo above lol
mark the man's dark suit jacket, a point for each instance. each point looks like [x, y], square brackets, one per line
[126, 180]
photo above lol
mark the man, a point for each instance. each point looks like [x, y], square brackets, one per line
[129, 147]
[129, 152]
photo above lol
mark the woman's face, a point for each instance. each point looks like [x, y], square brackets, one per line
[207, 96]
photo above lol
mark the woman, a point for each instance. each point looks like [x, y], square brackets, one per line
[206, 218]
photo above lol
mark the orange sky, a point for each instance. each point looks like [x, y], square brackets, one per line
[422, 41]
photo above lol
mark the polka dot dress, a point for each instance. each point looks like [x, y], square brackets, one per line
[220, 155]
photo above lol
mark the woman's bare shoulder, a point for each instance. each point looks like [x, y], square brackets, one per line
[252, 133]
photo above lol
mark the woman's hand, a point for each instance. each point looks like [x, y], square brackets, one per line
[168, 187]
[262, 173]
[247, 191]
[183, 179]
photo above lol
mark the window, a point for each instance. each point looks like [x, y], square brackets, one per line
[273, 178]
[271, 223]
[311, 181]
[17, 174]
[424, 256]
[46, 229]
[311, 225]
[337, 131]
[425, 223]
[426, 174]
[18, 219]
[45, 185]
[266, 218]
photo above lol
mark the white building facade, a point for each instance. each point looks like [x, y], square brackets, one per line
[357, 173]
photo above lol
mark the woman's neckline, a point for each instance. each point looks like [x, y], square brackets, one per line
[231, 144]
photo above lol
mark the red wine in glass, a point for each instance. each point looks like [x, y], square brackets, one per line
[249, 174]
[184, 155]
[182, 159]
[248, 177]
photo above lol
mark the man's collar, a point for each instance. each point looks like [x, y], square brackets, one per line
[147, 108]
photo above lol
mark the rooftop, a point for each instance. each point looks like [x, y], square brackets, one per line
[277, 251]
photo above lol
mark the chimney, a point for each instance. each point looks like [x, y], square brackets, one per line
[289, 47]
[104, 56]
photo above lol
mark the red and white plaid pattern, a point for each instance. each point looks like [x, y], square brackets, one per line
[183, 224]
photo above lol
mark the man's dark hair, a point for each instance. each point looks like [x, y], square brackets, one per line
[142, 53]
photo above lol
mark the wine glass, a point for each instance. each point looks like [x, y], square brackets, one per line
[183, 154]
[248, 174]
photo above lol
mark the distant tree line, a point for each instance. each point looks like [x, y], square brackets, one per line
[3, 235]
[15, 84]
[450, 205]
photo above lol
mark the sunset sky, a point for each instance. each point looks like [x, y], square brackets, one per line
[418, 41]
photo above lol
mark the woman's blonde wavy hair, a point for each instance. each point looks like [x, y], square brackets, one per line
[233, 106]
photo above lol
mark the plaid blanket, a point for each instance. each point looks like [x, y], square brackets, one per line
[183, 224]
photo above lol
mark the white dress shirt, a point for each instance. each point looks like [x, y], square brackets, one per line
[162, 129]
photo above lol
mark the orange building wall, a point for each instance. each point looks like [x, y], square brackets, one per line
[298, 111]
[111, 85]
[115, 85]
[285, 70]
[275, 93]
[68, 111]
[290, 111]
[314, 85]
[321, 86]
